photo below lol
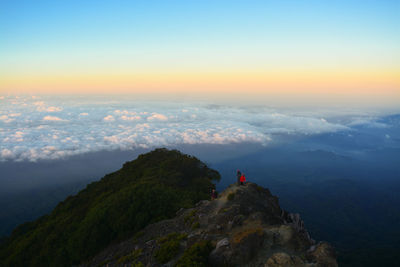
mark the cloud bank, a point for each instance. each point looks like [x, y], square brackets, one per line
[30, 131]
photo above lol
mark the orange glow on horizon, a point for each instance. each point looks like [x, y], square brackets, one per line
[269, 82]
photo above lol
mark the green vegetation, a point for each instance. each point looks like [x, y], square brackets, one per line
[138, 235]
[169, 247]
[149, 189]
[171, 236]
[223, 210]
[191, 217]
[196, 225]
[130, 257]
[231, 196]
[196, 255]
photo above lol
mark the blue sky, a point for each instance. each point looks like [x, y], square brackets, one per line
[151, 21]
[43, 40]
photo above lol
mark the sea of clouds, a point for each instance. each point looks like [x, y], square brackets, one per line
[41, 128]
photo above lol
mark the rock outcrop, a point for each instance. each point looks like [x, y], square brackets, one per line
[244, 226]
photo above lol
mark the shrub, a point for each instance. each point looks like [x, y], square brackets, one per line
[196, 225]
[130, 257]
[196, 255]
[169, 247]
[190, 218]
[138, 235]
[231, 196]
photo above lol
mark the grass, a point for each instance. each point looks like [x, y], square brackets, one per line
[190, 217]
[196, 225]
[238, 238]
[196, 255]
[131, 257]
[169, 247]
[138, 235]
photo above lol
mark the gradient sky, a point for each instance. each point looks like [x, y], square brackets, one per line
[349, 48]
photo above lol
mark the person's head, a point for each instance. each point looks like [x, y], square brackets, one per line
[238, 171]
[213, 190]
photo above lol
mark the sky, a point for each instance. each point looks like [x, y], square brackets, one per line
[327, 49]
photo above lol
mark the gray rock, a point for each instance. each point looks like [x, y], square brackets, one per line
[222, 243]
[249, 230]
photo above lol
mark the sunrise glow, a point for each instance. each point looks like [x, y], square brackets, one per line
[208, 48]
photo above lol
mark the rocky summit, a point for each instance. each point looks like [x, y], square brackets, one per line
[244, 226]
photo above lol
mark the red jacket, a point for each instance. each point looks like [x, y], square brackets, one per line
[242, 178]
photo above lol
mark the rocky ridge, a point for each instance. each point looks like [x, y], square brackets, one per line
[244, 226]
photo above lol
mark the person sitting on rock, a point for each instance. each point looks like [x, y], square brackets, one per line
[213, 194]
[238, 174]
[242, 179]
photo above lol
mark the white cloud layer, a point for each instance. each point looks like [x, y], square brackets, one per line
[41, 107]
[109, 118]
[81, 126]
[52, 118]
[157, 117]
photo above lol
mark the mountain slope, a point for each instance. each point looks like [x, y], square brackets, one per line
[149, 189]
[244, 226]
